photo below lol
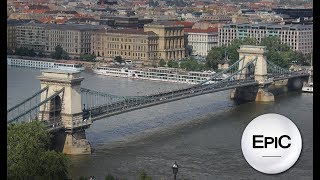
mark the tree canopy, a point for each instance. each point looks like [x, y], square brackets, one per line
[173, 64]
[29, 153]
[192, 65]
[119, 59]
[59, 53]
[162, 63]
[87, 57]
[278, 53]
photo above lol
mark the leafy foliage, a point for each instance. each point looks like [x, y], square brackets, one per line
[87, 57]
[59, 53]
[118, 59]
[25, 52]
[278, 53]
[162, 63]
[173, 64]
[29, 154]
[192, 65]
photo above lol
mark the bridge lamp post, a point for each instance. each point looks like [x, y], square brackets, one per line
[175, 167]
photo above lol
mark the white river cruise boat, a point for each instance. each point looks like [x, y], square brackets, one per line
[45, 64]
[156, 74]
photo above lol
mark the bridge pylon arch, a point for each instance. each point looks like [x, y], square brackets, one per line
[71, 138]
[248, 53]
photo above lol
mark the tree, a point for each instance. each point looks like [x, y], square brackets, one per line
[191, 65]
[59, 53]
[173, 64]
[118, 59]
[87, 57]
[41, 54]
[215, 57]
[162, 63]
[29, 154]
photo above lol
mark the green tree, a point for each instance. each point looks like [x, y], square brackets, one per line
[173, 64]
[215, 57]
[191, 65]
[31, 53]
[118, 59]
[22, 51]
[162, 63]
[29, 155]
[59, 53]
[41, 54]
[87, 57]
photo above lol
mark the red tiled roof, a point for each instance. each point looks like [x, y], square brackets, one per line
[130, 31]
[185, 23]
[209, 30]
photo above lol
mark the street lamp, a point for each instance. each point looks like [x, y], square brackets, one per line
[175, 167]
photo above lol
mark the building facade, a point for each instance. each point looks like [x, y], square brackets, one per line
[171, 43]
[131, 44]
[73, 38]
[12, 34]
[201, 41]
[32, 36]
[299, 37]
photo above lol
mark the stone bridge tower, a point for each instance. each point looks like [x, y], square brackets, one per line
[249, 53]
[66, 109]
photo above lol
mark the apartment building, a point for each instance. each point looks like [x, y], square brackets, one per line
[31, 35]
[298, 36]
[131, 44]
[12, 34]
[202, 40]
[171, 43]
[75, 39]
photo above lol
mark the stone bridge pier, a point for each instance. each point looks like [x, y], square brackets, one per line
[65, 109]
[259, 93]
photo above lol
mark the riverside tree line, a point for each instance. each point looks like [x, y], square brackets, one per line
[278, 53]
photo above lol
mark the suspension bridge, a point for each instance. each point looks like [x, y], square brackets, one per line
[65, 107]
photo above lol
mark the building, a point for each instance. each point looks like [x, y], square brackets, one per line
[201, 41]
[31, 36]
[75, 39]
[12, 34]
[171, 43]
[144, 47]
[298, 36]
[131, 44]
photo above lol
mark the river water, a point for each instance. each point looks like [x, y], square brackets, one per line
[202, 134]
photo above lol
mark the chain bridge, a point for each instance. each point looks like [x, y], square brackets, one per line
[67, 109]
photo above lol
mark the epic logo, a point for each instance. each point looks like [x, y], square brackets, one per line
[270, 140]
[271, 143]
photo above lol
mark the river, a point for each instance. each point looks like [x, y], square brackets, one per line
[202, 134]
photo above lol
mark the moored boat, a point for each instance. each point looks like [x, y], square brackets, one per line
[157, 74]
[45, 64]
